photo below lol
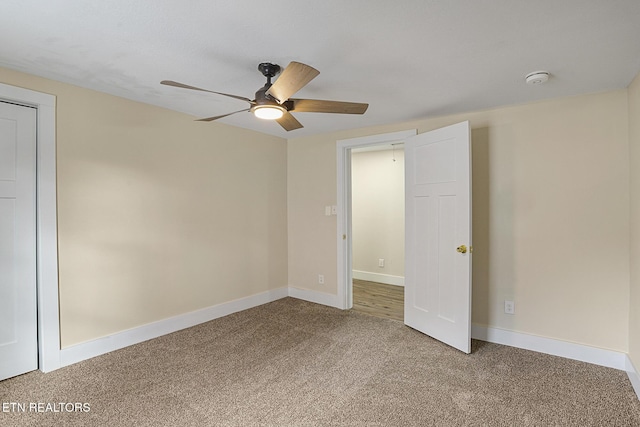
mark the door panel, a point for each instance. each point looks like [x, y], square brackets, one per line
[18, 327]
[7, 292]
[435, 163]
[446, 265]
[438, 221]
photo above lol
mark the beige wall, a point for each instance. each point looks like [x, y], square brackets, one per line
[551, 215]
[377, 204]
[634, 297]
[159, 215]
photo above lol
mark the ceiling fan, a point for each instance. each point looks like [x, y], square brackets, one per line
[273, 102]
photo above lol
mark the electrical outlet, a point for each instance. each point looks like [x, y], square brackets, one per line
[381, 263]
[320, 279]
[509, 307]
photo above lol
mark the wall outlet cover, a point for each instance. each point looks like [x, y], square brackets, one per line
[509, 307]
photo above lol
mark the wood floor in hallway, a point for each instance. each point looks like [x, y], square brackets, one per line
[378, 299]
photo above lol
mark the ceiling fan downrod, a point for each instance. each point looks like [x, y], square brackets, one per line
[268, 70]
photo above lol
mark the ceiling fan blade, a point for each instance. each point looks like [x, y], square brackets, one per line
[319, 106]
[184, 86]
[210, 119]
[292, 79]
[288, 122]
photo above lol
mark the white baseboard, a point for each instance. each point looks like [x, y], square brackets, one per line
[314, 296]
[89, 349]
[584, 353]
[634, 376]
[387, 279]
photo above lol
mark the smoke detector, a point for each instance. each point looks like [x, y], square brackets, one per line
[537, 77]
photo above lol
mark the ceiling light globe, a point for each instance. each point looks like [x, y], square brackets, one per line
[268, 112]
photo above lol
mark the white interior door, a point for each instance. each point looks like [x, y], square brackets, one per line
[18, 330]
[438, 235]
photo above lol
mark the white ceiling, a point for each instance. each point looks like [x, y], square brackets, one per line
[408, 59]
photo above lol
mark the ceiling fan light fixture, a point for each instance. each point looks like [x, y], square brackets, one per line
[268, 112]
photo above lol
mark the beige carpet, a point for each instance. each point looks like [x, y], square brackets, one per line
[293, 363]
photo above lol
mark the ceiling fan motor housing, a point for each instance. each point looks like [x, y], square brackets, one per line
[265, 102]
[262, 98]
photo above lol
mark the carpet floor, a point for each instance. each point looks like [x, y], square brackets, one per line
[294, 363]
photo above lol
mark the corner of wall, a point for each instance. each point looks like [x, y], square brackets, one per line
[634, 376]
[633, 97]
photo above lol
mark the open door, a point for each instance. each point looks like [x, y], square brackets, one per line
[18, 313]
[438, 235]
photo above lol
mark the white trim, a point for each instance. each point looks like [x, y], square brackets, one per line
[380, 139]
[387, 279]
[633, 375]
[47, 235]
[97, 347]
[89, 349]
[584, 353]
[330, 300]
[343, 163]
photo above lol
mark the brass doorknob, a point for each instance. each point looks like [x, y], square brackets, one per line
[462, 249]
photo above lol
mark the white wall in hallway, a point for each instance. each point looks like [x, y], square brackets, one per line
[378, 211]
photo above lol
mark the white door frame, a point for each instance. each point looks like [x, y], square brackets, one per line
[46, 222]
[344, 237]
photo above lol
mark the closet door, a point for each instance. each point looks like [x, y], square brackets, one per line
[18, 305]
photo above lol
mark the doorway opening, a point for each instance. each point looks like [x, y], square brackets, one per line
[372, 288]
[377, 224]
